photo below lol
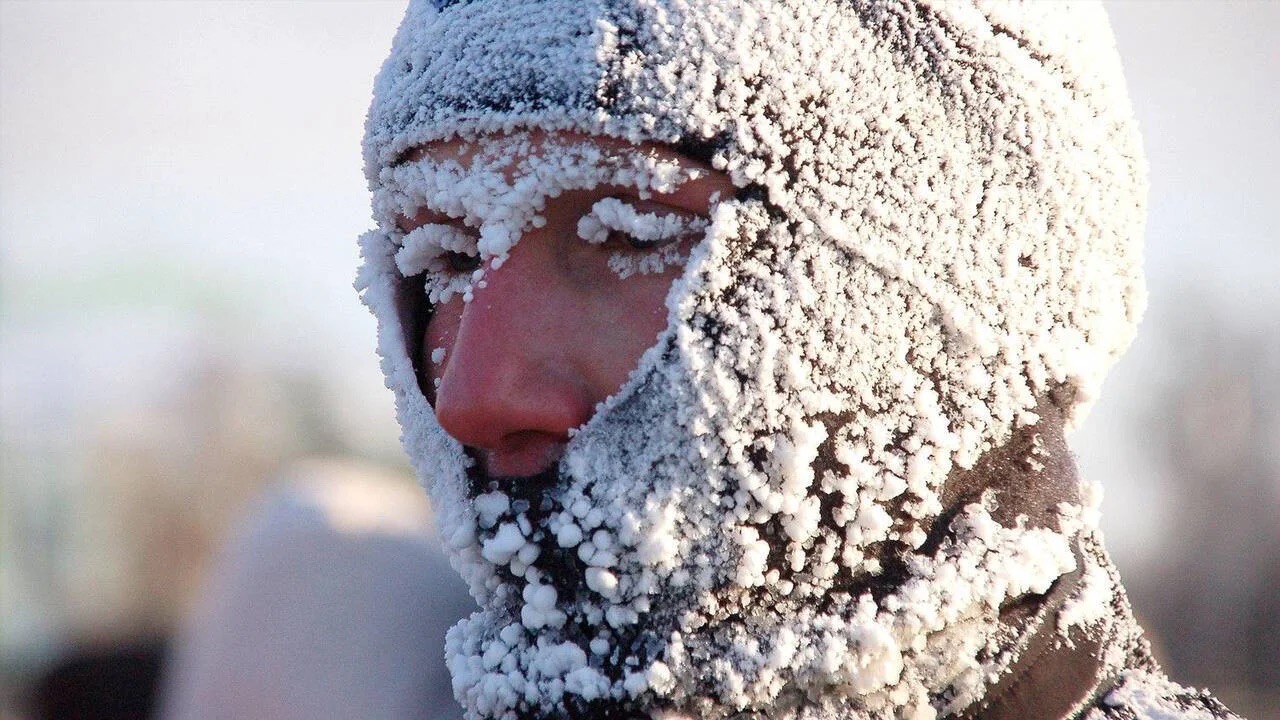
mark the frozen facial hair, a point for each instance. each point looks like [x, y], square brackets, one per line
[499, 194]
[938, 222]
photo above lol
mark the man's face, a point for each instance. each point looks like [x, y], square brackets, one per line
[553, 326]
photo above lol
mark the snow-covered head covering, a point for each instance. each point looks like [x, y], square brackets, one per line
[939, 222]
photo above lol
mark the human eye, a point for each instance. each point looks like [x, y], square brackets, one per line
[445, 253]
[644, 236]
[460, 262]
[638, 225]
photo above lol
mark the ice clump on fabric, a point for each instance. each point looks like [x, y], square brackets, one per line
[940, 221]
[1142, 695]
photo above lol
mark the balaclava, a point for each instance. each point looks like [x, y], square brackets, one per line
[937, 229]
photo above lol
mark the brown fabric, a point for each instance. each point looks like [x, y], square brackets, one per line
[1057, 681]
[1030, 476]
[1053, 674]
[1027, 480]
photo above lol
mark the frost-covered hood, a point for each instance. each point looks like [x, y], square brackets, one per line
[939, 223]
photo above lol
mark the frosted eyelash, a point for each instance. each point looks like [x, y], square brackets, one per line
[613, 214]
[423, 251]
[425, 244]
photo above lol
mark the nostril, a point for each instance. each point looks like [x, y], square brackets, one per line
[515, 414]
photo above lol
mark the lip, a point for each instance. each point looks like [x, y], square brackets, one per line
[527, 458]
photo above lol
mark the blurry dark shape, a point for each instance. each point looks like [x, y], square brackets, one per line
[112, 513]
[117, 682]
[332, 603]
[1214, 602]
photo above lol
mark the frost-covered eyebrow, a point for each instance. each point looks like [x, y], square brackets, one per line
[686, 198]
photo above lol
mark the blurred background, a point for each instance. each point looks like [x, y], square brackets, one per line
[180, 193]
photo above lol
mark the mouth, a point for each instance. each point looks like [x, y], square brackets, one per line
[525, 510]
[535, 507]
[522, 454]
[485, 475]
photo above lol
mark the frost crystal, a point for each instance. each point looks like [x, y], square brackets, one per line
[939, 221]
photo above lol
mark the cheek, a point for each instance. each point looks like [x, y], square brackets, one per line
[437, 343]
[639, 315]
[651, 297]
